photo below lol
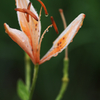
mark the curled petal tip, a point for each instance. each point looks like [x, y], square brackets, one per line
[84, 15]
[6, 27]
[4, 24]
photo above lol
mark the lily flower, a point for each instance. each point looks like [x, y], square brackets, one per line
[29, 37]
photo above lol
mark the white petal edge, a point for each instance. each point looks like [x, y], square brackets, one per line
[71, 35]
[20, 38]
[24, 4]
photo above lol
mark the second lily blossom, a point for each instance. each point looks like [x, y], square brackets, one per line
[29, 38]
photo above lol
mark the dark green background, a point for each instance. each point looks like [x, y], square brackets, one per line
[84, 53]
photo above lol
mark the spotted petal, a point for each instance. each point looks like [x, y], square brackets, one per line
[65, 38]
[25, 26]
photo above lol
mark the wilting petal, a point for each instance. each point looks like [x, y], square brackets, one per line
[21, 39]
[65, 38]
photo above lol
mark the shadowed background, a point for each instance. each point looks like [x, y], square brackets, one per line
[84, 55]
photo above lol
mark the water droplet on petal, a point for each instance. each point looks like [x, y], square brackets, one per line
[80, 26]
[55, 54]
[47, 30]
[50, 26]
[23, 40]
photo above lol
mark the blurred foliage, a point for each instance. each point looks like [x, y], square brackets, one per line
[84, 55]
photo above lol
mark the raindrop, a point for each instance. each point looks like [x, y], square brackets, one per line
[55, 54]
[80, 26]
[23, 40]
[47, 30]
[50, 26]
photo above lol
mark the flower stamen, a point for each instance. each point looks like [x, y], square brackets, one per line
[40, 13]
[27, 12]
[54, 25]
[28, 7]
[46, 12]
[46, 30]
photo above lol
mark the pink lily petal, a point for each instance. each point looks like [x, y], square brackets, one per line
[64, 39]
[20, 38]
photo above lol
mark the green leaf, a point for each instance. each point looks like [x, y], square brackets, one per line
[22, 90]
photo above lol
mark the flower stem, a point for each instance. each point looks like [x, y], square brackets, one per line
[65, 25]
[65, 80]
[27, 71]
[36, 67]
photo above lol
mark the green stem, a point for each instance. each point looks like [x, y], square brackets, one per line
[36, 67]
[65, 80]
[27, 71]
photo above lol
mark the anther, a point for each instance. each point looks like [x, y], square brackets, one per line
[27, 12]
[28, 7]
[54, 25]
[43, 35]
[46, 12]
[60, 10]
